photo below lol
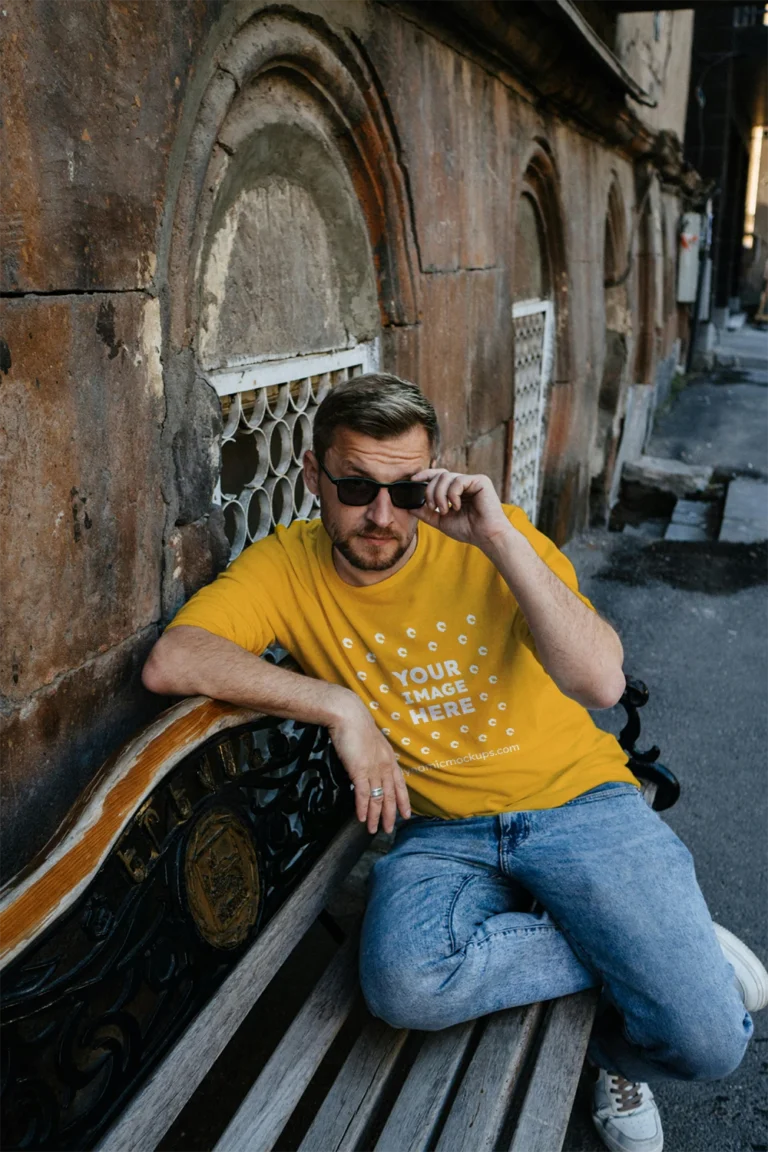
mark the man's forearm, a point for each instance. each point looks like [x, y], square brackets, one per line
[189, 661]
[579, 650]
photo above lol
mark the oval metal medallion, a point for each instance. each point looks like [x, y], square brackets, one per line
[221, 876]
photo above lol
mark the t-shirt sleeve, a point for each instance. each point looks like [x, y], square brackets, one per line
[238, 605]
[555, 560]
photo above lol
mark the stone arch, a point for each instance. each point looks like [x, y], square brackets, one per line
[649, 278]
[539, 199]
[333, 91]
[618, 345]
[289, 234]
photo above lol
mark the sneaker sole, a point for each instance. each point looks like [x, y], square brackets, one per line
[617, 1146]
[751, 975]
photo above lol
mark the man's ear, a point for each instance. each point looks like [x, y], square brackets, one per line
[311, 472]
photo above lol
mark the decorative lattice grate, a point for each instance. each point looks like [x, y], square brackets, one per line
[533, 323]
[268, 411]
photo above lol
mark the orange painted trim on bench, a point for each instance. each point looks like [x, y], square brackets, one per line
[40, 894]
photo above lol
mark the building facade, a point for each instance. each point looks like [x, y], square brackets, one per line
[214, 211]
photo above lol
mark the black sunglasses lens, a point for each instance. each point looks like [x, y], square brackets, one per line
[407, 495]
[357, 492]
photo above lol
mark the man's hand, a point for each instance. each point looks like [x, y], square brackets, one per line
[466, 508]
[370, 763]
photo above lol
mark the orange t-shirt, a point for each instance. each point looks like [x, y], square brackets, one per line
[440, 652]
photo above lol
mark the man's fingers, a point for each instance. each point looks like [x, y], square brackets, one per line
[401, 793]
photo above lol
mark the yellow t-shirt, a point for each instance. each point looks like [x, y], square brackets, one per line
[440, 652]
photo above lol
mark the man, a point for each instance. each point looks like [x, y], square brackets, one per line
[451, 656]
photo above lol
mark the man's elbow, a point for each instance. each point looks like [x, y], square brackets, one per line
[157, 673]
[610, 689]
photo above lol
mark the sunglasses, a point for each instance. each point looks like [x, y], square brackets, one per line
[357, 490]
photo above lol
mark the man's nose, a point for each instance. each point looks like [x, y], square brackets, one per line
[380, 512]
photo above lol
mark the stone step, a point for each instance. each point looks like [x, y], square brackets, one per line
[745, 519]
[671, 476]
[691, 520]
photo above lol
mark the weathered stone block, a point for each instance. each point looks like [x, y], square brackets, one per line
[453, 120]
[195, 554]
[51, 747]
[487, 455]
[400, 352]
[81, 511]
[89, 106]
[489, 338]
[444, 350]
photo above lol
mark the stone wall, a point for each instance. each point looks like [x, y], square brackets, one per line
[197, 179]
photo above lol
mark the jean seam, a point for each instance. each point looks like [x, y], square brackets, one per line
[531, 931]
[454, 900]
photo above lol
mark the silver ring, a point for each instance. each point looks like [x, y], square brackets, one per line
[376, 792]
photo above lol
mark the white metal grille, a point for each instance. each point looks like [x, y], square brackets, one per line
[268, 411]
[533, 325]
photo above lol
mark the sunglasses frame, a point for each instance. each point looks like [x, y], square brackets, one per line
[378, 485]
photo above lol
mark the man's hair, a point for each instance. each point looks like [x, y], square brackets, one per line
[376, 405]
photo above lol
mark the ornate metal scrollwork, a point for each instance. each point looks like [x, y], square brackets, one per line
[92, 1005]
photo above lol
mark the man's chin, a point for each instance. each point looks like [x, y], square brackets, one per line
[370, 557]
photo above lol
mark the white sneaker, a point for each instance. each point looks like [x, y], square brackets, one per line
[751, 976]
[625, 1115]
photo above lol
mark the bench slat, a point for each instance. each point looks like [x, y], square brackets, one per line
[156, 1105]
[277, 1090]
[344, 1115]
[546, 1109]
[417, 1110]
[481, 1105]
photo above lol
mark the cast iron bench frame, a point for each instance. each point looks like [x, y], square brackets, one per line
[84, 1072]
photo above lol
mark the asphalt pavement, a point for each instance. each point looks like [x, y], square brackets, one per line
[693, 620]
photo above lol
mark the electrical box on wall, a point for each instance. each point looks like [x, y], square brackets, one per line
[688, 257]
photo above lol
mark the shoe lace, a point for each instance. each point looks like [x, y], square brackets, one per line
[628, 1094]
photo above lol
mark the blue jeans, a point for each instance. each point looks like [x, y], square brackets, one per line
[449, 934]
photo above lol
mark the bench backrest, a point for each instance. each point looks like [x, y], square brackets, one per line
[132, 948]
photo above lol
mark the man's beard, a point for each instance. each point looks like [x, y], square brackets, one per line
[376, 558]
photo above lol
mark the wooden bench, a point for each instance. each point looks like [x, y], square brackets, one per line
[133, 949]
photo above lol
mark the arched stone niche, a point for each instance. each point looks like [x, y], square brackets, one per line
[617, 352]
[540, 239]
[286, 266]
[290, 233]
